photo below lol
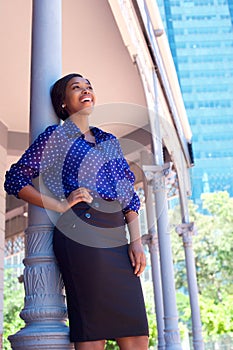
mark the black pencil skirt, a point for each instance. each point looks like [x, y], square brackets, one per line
[104, 297]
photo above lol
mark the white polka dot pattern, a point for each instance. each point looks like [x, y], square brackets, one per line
[67, 161]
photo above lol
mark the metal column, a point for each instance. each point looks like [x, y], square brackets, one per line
[171, 331]
[186, 231]
[44, 310]
[151, 239]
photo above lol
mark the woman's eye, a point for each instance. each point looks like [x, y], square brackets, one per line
[75, 87]
[90, 87]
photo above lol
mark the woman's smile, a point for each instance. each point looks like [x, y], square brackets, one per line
[86, 98]
[79, 95]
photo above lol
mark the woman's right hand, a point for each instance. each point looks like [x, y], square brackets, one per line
[31, 195]
[82, 194]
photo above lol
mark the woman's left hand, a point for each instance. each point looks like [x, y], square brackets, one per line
[137, 257]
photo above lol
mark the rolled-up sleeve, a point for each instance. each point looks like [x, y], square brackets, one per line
[133, 201]
[133, 205]
[30, 165]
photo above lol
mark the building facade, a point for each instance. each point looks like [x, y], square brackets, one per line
[200, 34]
[143, 107]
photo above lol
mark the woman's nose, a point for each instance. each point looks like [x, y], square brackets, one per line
[85, 91]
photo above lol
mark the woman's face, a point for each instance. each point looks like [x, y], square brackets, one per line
[79, 96]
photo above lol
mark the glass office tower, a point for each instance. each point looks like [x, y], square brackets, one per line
[200, 33]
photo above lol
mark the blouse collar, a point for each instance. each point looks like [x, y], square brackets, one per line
[72, 130]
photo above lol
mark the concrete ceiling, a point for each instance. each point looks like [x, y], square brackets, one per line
[92, 46]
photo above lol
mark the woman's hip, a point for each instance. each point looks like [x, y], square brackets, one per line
[100, 224]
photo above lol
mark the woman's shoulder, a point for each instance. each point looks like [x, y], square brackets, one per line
[51, 128]
[104, 134]
[48, 131]
[45, 135]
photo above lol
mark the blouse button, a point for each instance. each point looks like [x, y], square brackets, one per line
[88, 215]
[73, 226]
[96, 204]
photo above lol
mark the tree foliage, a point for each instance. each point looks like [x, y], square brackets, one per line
[213, 251]
[13, 304]
[217, 318]
[213, 246]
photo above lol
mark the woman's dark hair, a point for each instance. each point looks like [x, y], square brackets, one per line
[57, 93]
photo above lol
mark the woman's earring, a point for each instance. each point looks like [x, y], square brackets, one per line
[63, 105]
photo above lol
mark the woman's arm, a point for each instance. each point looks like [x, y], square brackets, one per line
[34, 161]
[32, 196]
[136, 251]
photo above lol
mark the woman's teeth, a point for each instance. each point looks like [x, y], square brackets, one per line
[86, 99]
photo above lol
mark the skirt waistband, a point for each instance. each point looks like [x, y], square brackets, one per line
[99, 224]
[100, 213]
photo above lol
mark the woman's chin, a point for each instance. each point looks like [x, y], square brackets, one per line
[84, 111]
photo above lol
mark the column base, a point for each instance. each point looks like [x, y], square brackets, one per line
[37, 336]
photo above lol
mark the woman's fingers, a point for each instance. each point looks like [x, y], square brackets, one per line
[131, 256]
[82, 194]
[140, 264]
[138, 259]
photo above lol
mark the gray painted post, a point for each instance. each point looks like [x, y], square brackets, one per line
[44, 310]
[152, 240]
[171, 331]
[186, 231]
[155, 266]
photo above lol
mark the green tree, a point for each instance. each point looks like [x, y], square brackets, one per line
[213, 250]
[217, 318]
[220, 208]
[213, 246]
[13, 304]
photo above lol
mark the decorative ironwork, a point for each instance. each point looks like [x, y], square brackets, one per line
[163, 177]
[14, 245]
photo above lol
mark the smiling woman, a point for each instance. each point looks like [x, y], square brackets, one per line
[79, 95]
[92, 187]
[71, 81]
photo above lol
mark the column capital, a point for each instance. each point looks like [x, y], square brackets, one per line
[153, 170]
[155, 175]
[162, 177]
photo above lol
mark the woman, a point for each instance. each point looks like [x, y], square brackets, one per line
[91, 186]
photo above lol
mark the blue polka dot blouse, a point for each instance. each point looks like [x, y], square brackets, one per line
[65, 161]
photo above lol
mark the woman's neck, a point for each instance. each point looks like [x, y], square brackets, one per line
[81, 121]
